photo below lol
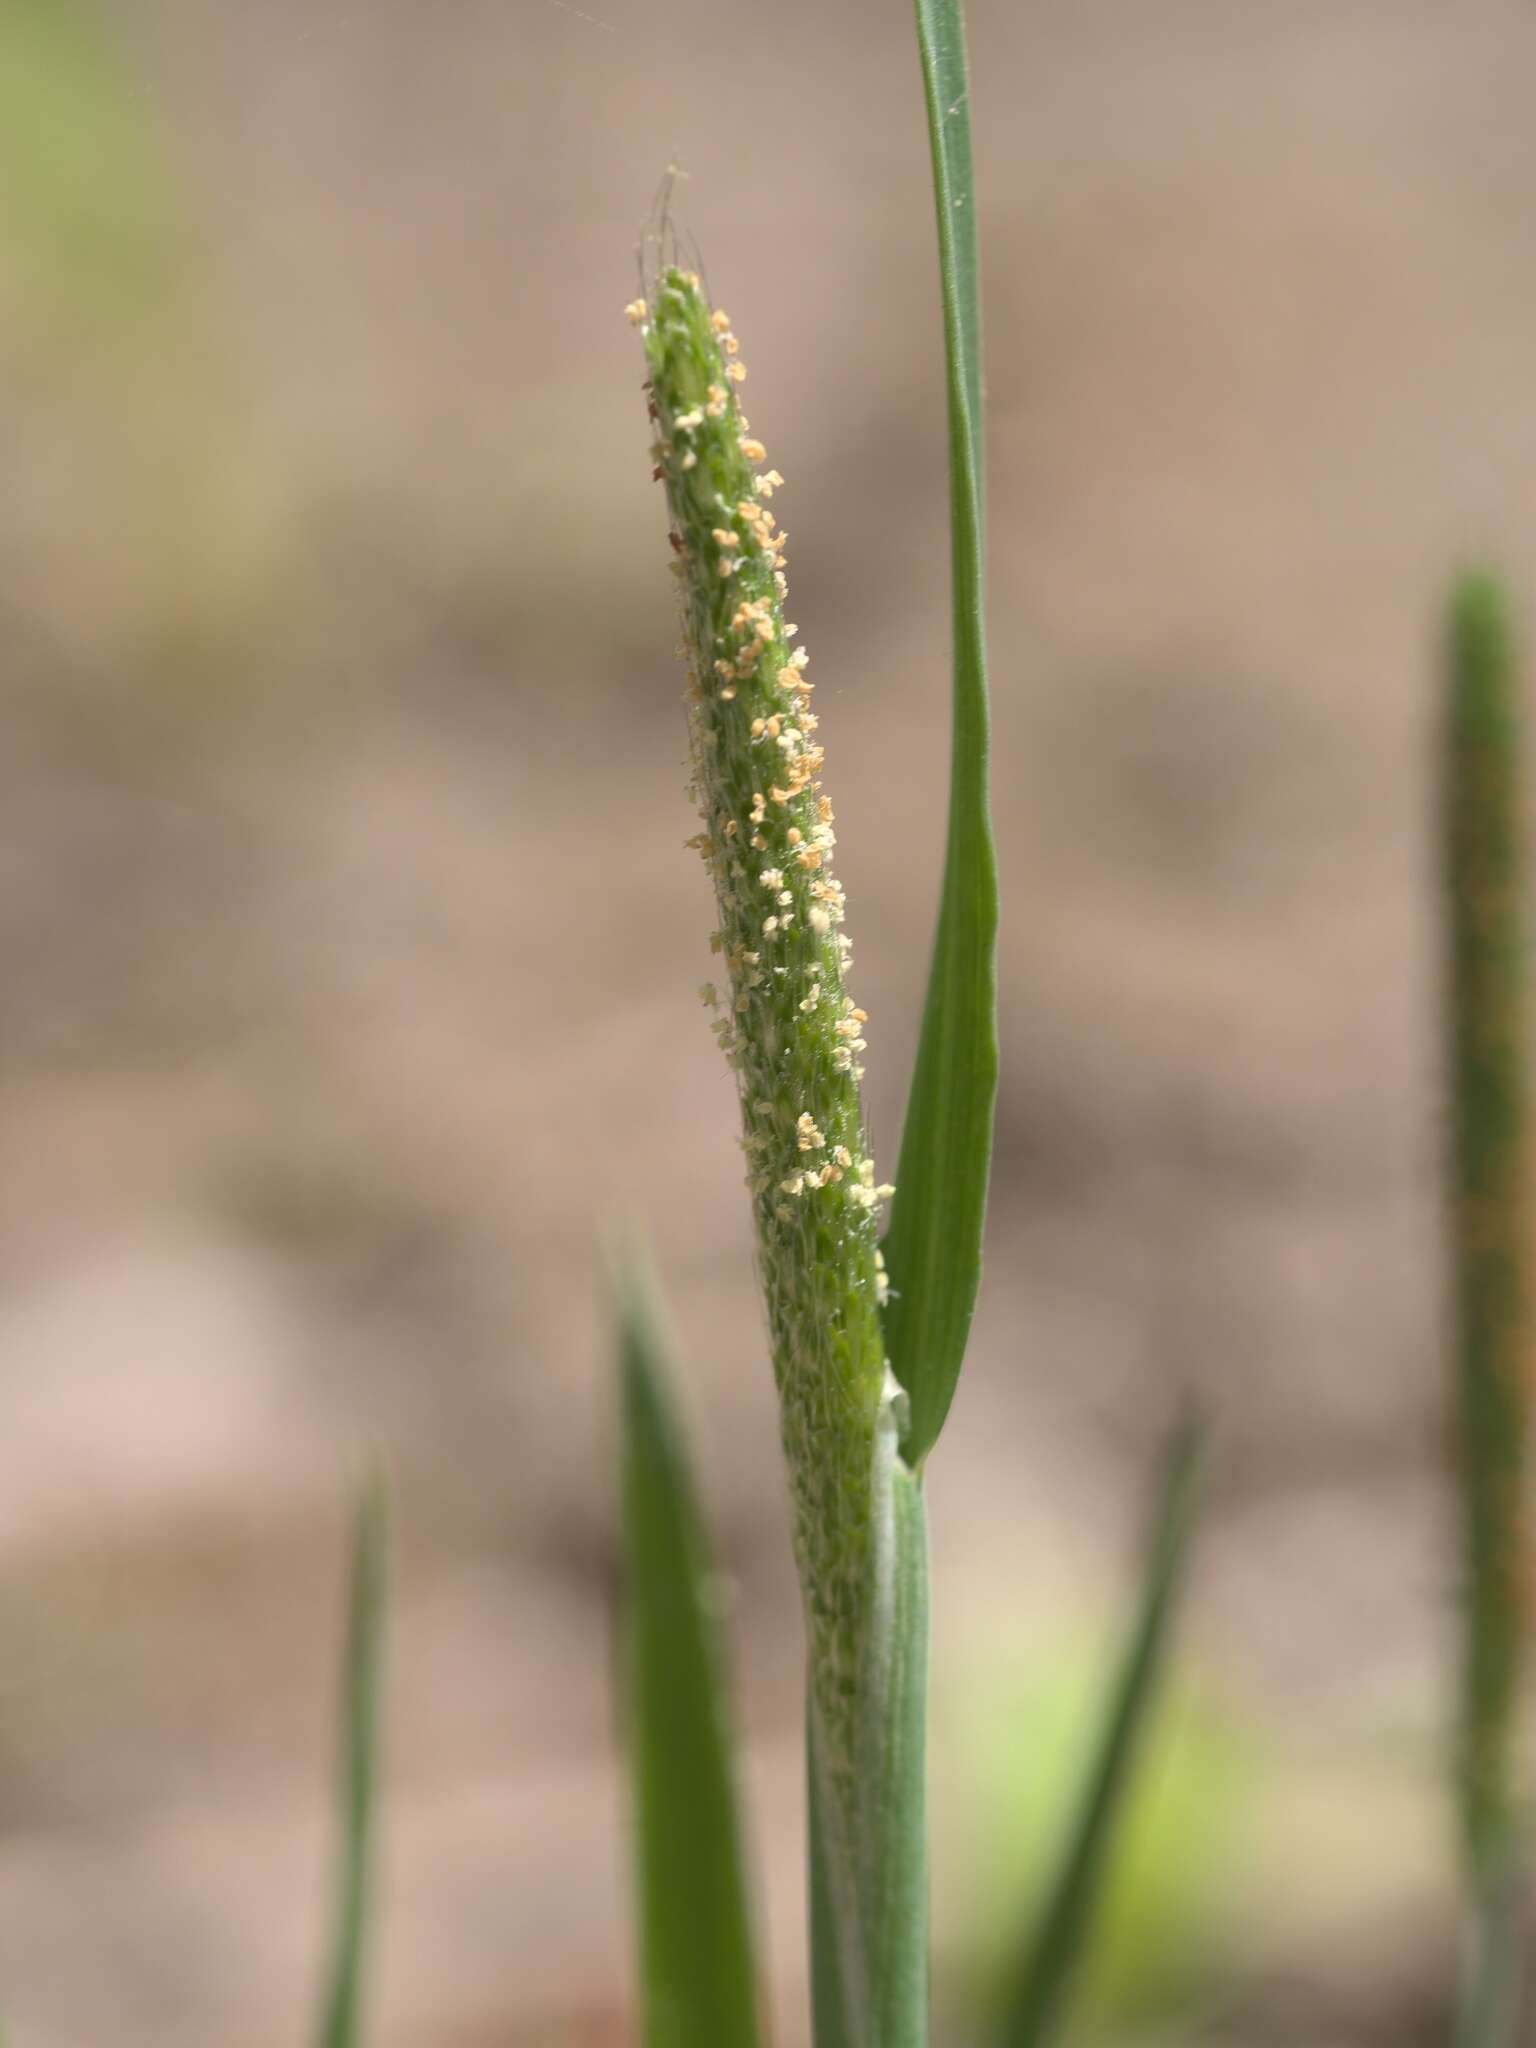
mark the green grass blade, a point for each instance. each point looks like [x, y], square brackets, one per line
[341, 2014]
[1044, 1986]
[1490, 1220]
[697, 1979]
[933, 1246]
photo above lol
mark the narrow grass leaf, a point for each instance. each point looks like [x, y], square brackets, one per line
[1039, 2004]
[1490, 1222]
[698, 1984]
[341, 2013]
[933, 1246]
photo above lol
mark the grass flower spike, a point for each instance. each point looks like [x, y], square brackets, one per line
[785, 1021]
[1491, 1217]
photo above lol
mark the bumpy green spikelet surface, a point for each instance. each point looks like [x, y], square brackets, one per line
[1491, 1214]
[786, 1024]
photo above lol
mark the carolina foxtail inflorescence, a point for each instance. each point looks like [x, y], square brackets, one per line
[785, 1022]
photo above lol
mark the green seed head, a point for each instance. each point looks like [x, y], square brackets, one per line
[785, 1021]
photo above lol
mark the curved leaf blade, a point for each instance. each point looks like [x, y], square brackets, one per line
[1045, 1983]
[698, 1984]
[933, 1246]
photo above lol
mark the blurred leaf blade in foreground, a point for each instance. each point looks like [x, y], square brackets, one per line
[1490, 1222]
[698, 1983]
[341, 2021]
[933, 1246]
[1043, 1988]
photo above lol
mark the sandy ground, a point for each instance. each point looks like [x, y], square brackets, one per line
[350, 946]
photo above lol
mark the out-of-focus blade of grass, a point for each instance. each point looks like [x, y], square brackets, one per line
[341, 2013]
[933, 1245]
[1490, 1220]
[1044, 1985]
[869, 1895]
[698, 1984]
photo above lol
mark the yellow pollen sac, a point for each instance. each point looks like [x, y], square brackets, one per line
[737, 372]
[807, 1136]
[635, 312]
[754, 451]
[720, 320]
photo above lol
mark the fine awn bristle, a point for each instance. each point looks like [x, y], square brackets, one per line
[786, 1023]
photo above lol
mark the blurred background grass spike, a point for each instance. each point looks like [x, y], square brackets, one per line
[1490, 1214]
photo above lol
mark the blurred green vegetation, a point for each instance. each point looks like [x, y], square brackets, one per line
[95, 257]
[142, 554]
[1026, 1733]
